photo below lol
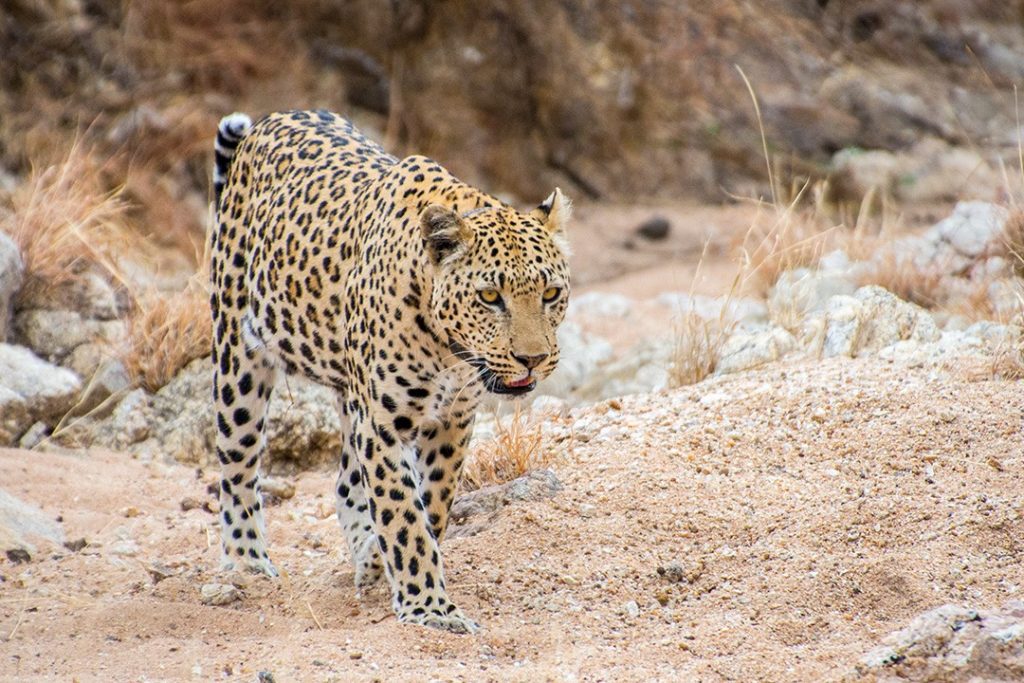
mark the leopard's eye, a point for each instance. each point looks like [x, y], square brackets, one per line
[551, 293]
[491, 297]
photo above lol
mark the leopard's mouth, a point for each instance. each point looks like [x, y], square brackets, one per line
[490, 379]
[496, 385]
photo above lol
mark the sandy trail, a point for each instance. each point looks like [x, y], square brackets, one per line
[810, 507]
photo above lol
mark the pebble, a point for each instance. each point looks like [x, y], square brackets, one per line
[278, 487]
[632, 609]
[124, 549]
[655, 228]
[219, 594]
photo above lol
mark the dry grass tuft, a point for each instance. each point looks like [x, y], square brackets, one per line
[921, 285]
[64, 223]
[697, 344]
[783, 238]
[1013, 240]
[1008, 358]
[165, 333]
[515, 449]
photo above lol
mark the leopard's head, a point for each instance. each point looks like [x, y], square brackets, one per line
[500, 288]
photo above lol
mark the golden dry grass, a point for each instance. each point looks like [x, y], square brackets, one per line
[515, 449]
[1008, 359]
[921, 285]
[1013, 241]
[165, 333]
[64, 223]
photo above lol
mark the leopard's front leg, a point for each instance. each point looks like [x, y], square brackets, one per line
[412, 559]
[441, 449]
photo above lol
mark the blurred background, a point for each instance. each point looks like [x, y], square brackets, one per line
[621, 102]
[711, 147]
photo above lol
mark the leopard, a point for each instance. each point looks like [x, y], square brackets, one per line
[410, 294]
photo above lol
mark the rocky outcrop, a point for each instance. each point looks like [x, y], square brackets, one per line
[871, 319]
[950, 643]
[303, 428]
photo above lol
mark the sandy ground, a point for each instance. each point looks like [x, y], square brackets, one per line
[811, 508]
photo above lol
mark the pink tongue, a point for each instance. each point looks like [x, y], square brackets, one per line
[521, 382]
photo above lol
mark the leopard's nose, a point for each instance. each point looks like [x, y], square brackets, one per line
[530, 361]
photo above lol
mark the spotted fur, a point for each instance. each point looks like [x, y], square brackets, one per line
[411, 294]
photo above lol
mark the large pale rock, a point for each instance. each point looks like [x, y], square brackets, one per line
[32, 389]
[747, 350]
[23, 525]
[974, 229]
[12, 272]
[868, 321]
[56, 333]
[950, 643]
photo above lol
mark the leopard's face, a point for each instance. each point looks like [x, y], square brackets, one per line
[500, 290]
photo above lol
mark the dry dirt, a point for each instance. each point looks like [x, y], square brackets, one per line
[811, 508]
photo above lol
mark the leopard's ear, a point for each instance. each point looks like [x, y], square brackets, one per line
[445, 234]
[554, 212]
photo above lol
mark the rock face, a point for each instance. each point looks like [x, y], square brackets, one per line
[31, 390]
[12, 272]
[950, 643]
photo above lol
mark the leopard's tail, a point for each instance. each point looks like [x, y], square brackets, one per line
[230, 132]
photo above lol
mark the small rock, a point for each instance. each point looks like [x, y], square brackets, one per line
[124, 549]
[189, 503]
[34, 436]
[265, 677]
[355, 654]
[220, 594]
[159, 571]
[76, 545]
[632, 609]
[130, 511]
[18, 555]
[277, 487]
[535, 485]
[654, 229]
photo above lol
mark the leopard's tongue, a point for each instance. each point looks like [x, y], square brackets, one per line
[521, 382]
